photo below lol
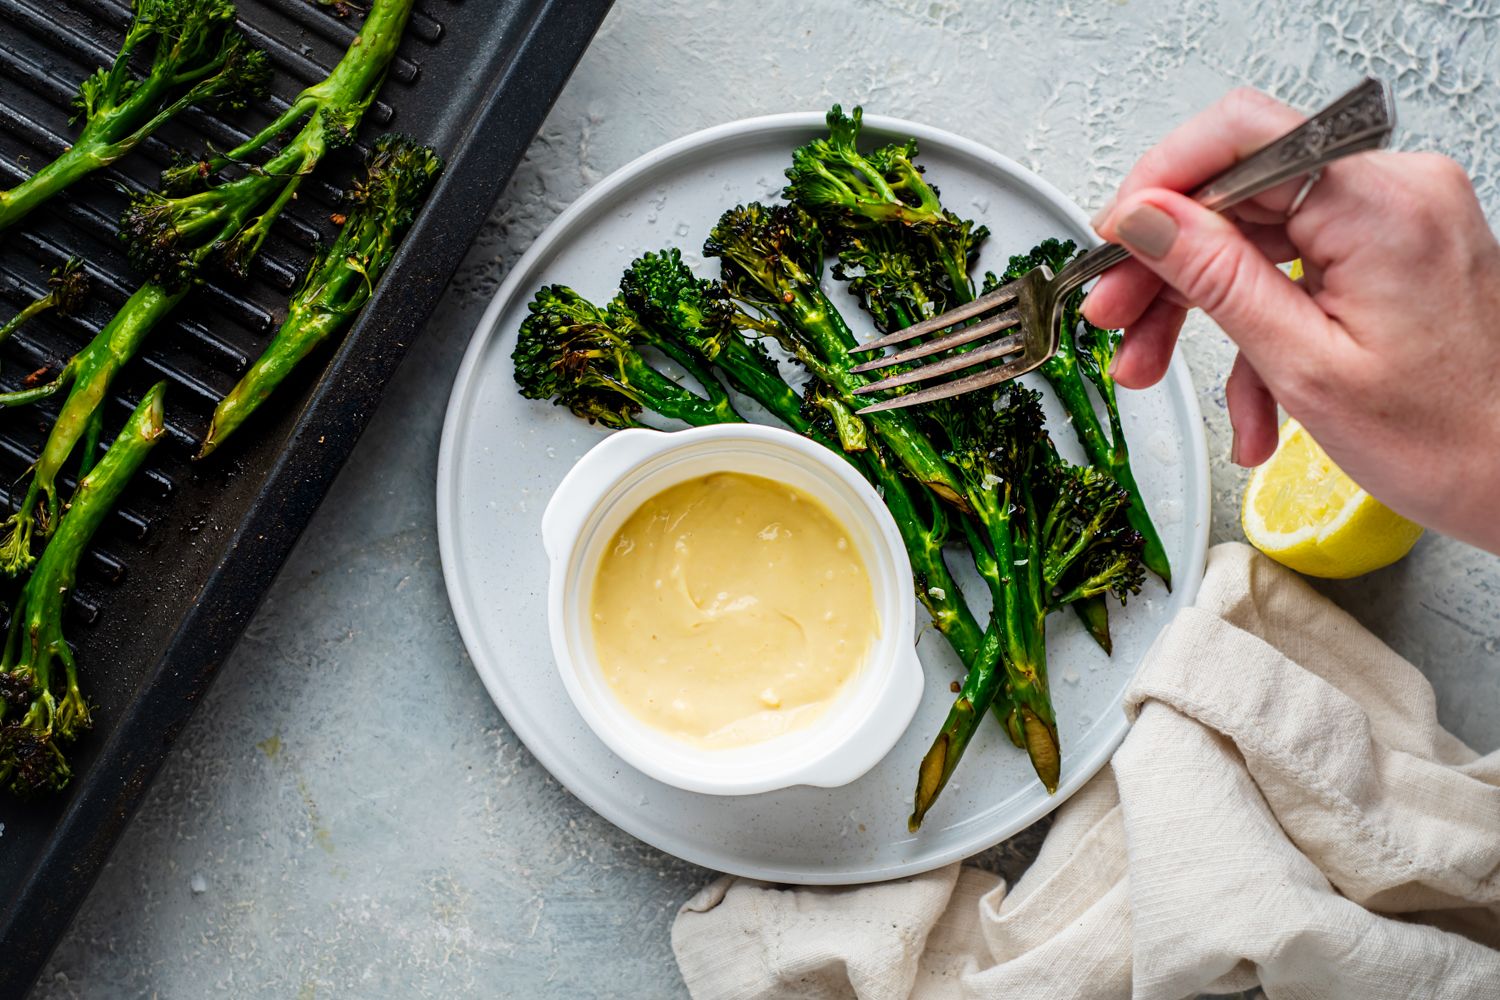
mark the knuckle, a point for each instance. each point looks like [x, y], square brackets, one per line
[1153, 163]
[1436, 181]
[1444, 168]
[1245, 103]
[1394, 188]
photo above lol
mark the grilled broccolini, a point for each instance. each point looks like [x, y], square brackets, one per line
[173, 237]
[196, 55]
[42, 707]
[340, 278]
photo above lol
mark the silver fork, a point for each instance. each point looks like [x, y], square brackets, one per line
[1360, 120]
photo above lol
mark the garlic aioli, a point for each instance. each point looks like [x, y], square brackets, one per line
[730, 609]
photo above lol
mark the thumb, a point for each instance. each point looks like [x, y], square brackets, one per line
[1213, 266]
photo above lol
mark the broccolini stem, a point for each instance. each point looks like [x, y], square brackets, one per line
[989, 571]
[341, 278]
[98, 491]
[90, 373]
[67, 286]
[820, 319]
[303, 105]
[88, 154]
[37, 393]
[31, 310]
[699, 370]
[936, 588]
[1022, 626]
[89, 453]
[941, 759]
[1093, 611]
[755, 377]
[654, 391]
[31, 758]
[303, 330]
[957, 271]
[1017, 655]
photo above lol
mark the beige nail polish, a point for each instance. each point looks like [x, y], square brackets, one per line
[1148, 231]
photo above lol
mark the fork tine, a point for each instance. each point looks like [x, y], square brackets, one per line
[979, 380]
[998, 349]
[1004, 295]
[958, 337]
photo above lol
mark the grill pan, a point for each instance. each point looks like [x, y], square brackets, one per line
[176, 572]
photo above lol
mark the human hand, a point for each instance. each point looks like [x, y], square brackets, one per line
[1389, 353]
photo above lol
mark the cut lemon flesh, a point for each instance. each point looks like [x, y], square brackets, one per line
[1301, 510]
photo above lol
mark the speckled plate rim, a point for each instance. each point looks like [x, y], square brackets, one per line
[520, 281]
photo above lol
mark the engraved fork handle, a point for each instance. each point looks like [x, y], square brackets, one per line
[1360, 120]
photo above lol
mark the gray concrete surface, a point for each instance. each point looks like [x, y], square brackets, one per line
[348, 816]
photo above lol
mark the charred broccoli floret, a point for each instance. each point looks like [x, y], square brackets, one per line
[896, 280]
[1090, 547]
[832, 179]
[666, 294]
[589, 360]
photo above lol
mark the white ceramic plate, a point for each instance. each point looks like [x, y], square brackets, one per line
[502, 456]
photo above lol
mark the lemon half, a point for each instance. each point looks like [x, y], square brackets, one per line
[1301, 510]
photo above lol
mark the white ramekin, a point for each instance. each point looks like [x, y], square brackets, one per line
[610, 483]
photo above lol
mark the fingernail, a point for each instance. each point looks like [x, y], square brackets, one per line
[1120, 352]
[1101, 216]
[1147, 230]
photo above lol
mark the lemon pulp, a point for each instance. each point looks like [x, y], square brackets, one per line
[1303, 511]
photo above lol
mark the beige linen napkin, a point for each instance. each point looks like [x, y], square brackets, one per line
[1286, 811]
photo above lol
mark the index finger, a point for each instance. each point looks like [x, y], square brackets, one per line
[1214, 140]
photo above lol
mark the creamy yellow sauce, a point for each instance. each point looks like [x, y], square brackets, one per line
[730, 609]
